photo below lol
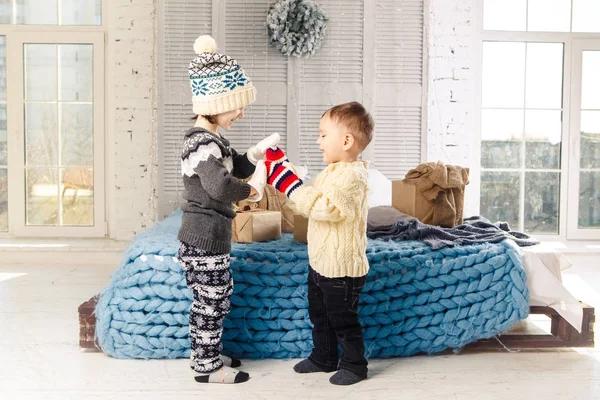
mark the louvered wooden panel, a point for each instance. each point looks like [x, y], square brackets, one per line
[246, 40]
[185, 20]
[310, 155]
[333, 75]
[397, 140]
[259, 122]
[340, 57]
[399, 41]
[176, 122]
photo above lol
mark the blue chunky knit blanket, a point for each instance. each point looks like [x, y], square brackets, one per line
[416, 300]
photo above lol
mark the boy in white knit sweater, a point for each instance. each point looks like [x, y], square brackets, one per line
[336, 207]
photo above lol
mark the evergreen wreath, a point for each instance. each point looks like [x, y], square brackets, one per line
[296, 27]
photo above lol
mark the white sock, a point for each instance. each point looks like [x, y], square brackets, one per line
[223, 375]
[227, 361]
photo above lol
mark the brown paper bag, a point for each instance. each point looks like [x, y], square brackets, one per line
[250, 205]
[406, 198]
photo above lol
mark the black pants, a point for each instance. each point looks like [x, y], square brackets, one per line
[333, 310]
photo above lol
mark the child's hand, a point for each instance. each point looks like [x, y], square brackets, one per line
[280, 172]
[275, 154]
[257, 152]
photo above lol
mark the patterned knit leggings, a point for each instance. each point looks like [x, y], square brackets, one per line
[209, 278]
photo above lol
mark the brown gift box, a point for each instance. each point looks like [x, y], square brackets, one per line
[272, 200]
[255, 225]
[407, 199]
[300, 228]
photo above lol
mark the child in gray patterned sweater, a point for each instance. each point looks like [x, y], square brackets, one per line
[211, 170]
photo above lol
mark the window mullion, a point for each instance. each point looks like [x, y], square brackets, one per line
[523, 149]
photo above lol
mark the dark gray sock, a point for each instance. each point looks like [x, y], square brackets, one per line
[345, 377]
[231, 361]
[306, 366]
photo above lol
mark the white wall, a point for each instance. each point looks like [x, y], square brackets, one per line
[131, 125]
[452, 134]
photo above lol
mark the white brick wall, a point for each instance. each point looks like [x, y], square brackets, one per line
[451, 89]
[132, 154]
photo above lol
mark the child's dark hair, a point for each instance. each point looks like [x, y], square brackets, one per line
[210, 118]
[356, 119]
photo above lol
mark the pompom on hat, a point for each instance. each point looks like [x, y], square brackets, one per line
[217, 81]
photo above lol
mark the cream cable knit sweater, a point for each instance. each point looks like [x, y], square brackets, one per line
[336, 207]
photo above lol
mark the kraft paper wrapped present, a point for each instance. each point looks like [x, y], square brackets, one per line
[433, 192]
[407, 199]
[256, 225]
[273, 200]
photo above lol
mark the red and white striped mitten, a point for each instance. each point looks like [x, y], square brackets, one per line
[280, 172]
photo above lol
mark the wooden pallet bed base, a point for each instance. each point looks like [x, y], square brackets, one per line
[561, 333]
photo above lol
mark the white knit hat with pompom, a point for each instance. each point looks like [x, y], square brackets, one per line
[217, 81]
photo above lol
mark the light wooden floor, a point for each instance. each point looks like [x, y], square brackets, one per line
[40, 358]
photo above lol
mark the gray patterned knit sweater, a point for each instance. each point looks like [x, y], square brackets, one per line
[210, 170]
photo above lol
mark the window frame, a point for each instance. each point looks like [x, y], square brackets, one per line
[568, 211]
[573, 229]
[16, 36]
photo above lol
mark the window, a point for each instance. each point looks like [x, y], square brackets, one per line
[538, 85]
[541, 15]
[3, 140]
[51, 12]
[521, 129]
[584, 192]
[52, 118]
[589, 160]
[59, 130]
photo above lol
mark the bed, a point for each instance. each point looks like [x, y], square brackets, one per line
[416, 300]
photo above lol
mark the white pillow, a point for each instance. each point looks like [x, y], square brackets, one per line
[380, 189]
